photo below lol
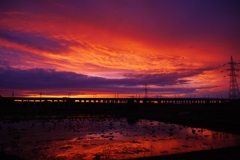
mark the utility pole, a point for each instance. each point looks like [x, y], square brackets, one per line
[233, 86]
[146, 90]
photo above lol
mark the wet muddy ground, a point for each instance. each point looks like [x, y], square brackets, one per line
[58, 142]
[105, 137]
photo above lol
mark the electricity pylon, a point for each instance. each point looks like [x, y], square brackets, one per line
[233, 86]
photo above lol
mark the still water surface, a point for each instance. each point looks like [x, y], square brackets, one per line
[86, 137]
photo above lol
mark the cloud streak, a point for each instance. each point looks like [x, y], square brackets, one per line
[38, 42]
[48, 79]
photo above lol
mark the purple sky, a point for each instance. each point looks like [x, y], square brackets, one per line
[110, 47]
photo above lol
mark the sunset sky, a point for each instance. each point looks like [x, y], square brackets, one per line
[106, 47]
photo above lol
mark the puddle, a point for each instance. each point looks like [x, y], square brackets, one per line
[105, 138]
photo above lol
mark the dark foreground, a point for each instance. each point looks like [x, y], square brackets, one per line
[215, 117]
[232, 153]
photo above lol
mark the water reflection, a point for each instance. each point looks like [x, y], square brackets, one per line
[106, 137]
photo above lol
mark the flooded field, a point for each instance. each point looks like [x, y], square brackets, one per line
[87, 137]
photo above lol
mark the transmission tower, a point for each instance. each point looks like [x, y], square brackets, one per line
[146, 90]
[233, 87]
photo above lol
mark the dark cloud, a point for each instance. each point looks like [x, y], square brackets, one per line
[37, 41]
[49, 79]
[172, 78]
[207, 87]
[4, 64]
